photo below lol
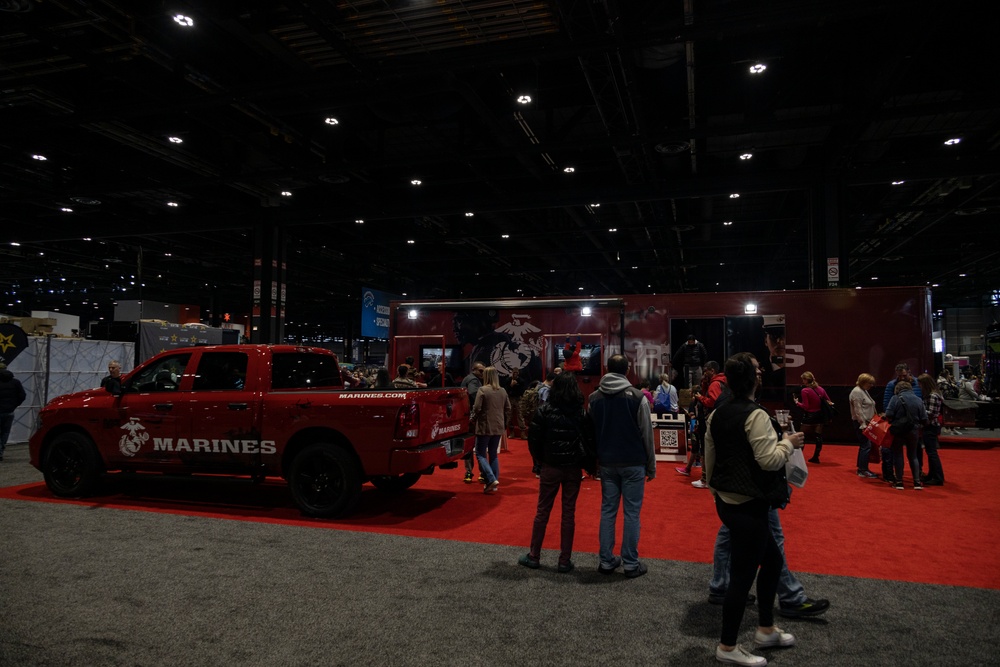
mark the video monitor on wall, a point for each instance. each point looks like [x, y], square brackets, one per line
[590, 357]
[430, 355]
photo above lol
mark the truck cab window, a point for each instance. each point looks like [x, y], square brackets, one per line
[164, 375]
[221, 371]
[303, 370]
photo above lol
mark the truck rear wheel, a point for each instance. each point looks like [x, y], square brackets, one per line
[325, 480]
[395, 483]
[71, 466]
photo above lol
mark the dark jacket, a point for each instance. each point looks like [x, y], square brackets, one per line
[561, 438]
[691, 355]
[622, 426]
[11, 392]
[736, 470]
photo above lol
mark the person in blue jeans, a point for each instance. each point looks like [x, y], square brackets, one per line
[792, 599]
[624, 437]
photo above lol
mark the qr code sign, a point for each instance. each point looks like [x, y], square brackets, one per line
[668, 440]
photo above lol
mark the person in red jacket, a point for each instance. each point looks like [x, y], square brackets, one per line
[713, 387]
[572, 362]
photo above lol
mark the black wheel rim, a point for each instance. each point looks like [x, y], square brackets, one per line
[66, 465]
[320, 481]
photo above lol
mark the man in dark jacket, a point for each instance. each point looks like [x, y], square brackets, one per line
[624, 433]
[689, 360]
[11, 396]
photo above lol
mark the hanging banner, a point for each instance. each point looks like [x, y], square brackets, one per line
[375, 313]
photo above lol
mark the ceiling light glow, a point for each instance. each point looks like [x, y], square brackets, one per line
[173, 204]
[286, 193]
[66, 210]
[331, 121]
[410, 241]
[175, 140]
[728, 223]
[586, 311]
[757, 68]
[569, 170]
[469, 214]
[898, 182]
[416, 181]
[612, 229]
[746, 156]
[524, 99]
[359, 221]
[735, 195]
[505, 236]
[952, 142]
[182, 20]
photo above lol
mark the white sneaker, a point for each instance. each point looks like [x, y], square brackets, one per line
[776, 638]
[698, 484]
[739, 656]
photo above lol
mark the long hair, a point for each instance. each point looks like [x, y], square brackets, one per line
[927, 385]
[382, 379]
[565, 393]
[491, 377]
[808, 380]
[741, 376]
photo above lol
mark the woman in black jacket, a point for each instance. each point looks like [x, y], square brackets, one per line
[561, 438]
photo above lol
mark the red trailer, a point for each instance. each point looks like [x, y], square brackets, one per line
[836, 334]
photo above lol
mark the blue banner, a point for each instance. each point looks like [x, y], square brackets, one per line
[375, 313]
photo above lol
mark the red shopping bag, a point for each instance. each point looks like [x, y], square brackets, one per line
[878, 431]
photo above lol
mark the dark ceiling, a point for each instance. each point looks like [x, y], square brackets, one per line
[651, 102]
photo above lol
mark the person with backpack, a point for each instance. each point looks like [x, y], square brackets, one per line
[905, 413]
[665, 397]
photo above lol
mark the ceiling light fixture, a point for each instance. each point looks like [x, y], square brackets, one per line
[359, 221]
[524, 99]
[595, 206]
[286, 193]
[182, 20]
[505, 236]
[952, 142]
[735, 195]
[586, 311]
[332, 121]
[411, 314]
[175, 140]
[757, 68]
[728, 223]
[898, 182]
[66, 210]
[746, 156]
[469, 214]
[612, 229]
[410, 241]
[569, 170]
[40, 158]
[173, 204]
[750, 308]
[416, 181]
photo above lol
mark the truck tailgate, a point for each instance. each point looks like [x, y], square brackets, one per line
[444, 414]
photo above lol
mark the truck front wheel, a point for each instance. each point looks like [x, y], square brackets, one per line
[395, 483]
[71, 466]
[325, 480]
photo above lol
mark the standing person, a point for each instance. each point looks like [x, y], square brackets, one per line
[562, 439]
[402, 379]
[11, 396]
[902, 375]
[471, 384]
[665, 396]
[546, 386]
[113, 380]
[812, 420]
[442, 378]
[745, 464]
[571, 356]
[906, 406]
[713, 392]
[933, 401]
[624, 434]
[515, 388]
[689, 359]
[490, 414]
[862, 411]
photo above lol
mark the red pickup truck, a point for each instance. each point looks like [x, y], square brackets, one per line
[257, 411]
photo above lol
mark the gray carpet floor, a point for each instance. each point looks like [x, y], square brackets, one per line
[93, 586]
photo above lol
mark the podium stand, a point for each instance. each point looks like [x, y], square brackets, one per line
[670, 437]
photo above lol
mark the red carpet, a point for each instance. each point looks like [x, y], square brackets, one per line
[838, 524]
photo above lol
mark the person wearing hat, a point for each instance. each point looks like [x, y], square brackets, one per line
[11, 396]
[773, 367]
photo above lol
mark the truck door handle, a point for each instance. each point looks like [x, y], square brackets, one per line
[238, 406]
[165, 407]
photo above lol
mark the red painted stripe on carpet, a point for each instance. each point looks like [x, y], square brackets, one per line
[839, 524]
